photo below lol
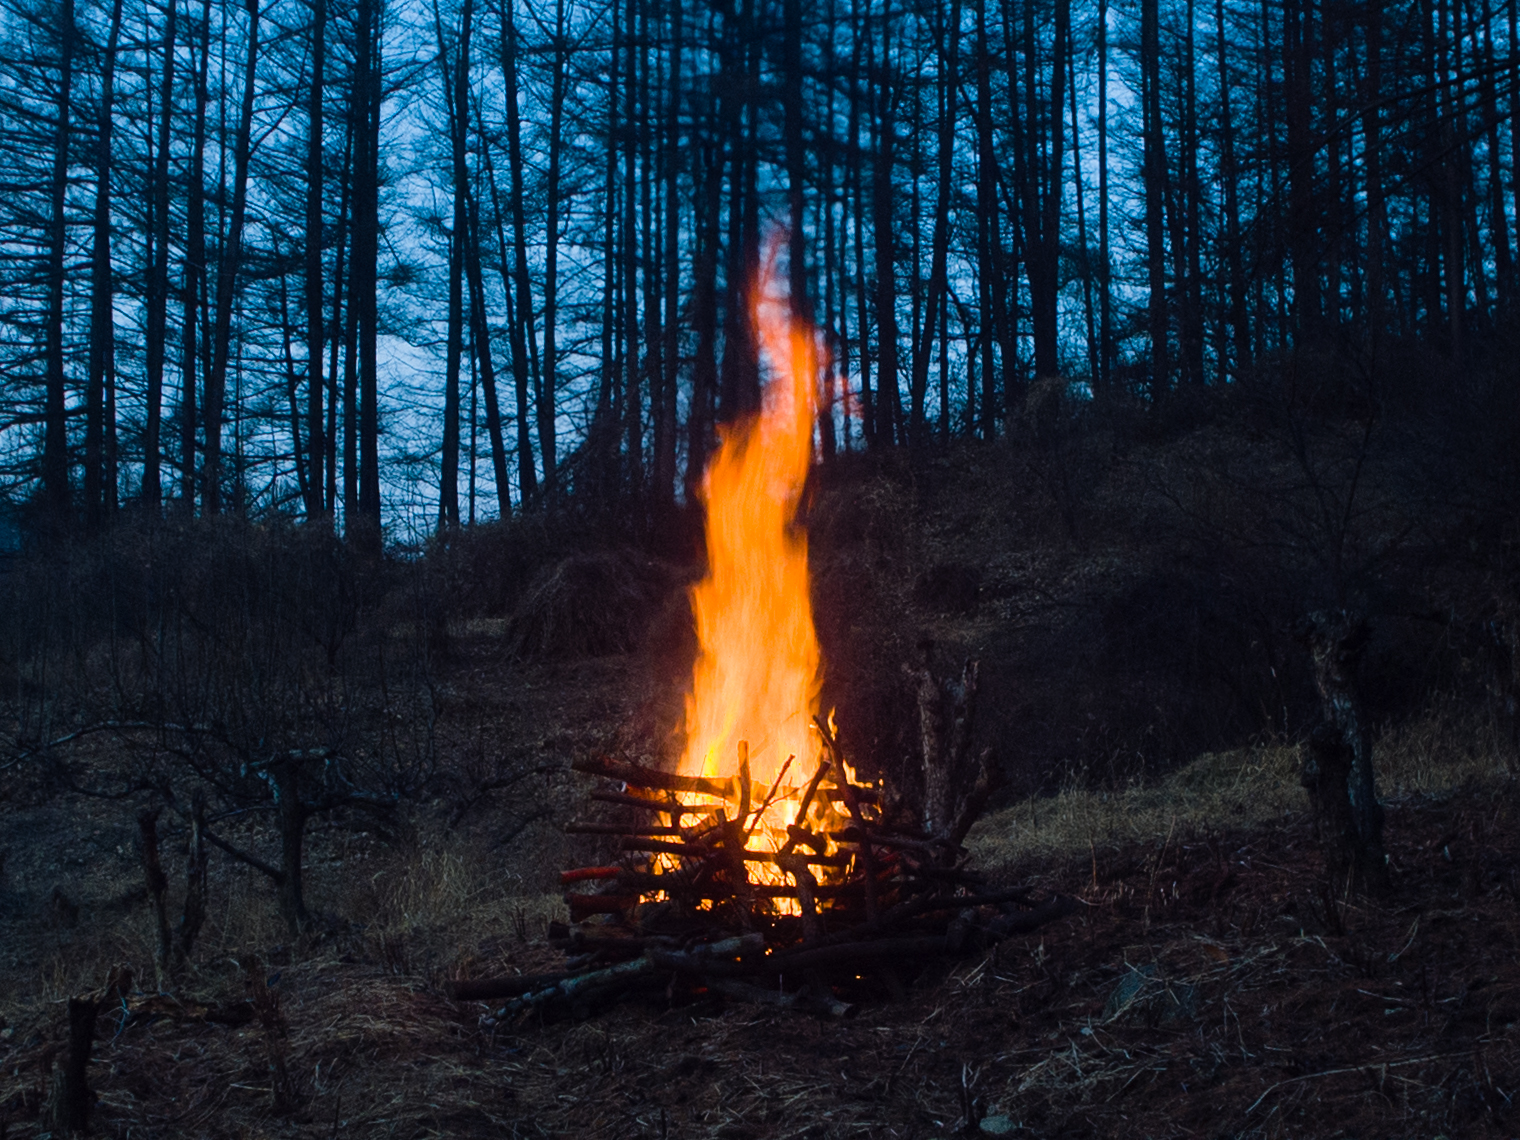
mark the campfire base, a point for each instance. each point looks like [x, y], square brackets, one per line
[680, 913]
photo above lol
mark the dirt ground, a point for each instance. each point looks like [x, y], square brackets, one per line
[1207, 987]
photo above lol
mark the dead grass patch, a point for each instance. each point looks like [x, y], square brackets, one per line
[1431, 755]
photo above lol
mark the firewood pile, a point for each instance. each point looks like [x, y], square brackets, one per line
[800, 893]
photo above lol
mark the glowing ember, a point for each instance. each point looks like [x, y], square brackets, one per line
[756, 680]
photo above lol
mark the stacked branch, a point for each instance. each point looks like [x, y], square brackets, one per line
[709, 894]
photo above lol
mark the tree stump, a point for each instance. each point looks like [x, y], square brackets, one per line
[1338, 772]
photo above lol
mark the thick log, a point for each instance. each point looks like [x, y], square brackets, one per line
[1022, 922]
[702, 851]
[693, 890]
[628, 973]
[622, 799]
[493, 989]
[578, 827]
[639, 776]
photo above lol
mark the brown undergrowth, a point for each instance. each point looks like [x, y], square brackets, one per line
[1209, 987]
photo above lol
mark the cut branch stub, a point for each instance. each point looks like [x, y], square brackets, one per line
[956, 787]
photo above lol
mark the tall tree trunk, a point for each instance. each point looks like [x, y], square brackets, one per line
[1105, 264]
[650, 259]
[1239, 340]
[836, 354]
[889, 404]
[1155, 192]
[665, 453]
[158, 274]
[480, 339]
[857, 195]
[456, 89]
[1503, 253]
[547, 434]
[227, 270]
[796, 159]
[366, 525]
[633, 398]
[1078, 183]
[1303, 208]
[195, 272]
[1045, 182]
[521, 329]
[1372, 159]
[604, 435]
[55, 440]
[316, 444]
[1192, 313]
[1512, 17]
[292, 383]
[336, 388]
[1453, 146]
[986, 222]
[102, 297]
[704, 300]
[939, 253]
[739, 379]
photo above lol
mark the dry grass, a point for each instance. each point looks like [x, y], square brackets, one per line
[1431, 755]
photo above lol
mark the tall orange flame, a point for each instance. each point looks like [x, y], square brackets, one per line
[756, 680]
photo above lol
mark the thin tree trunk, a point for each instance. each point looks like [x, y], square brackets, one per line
[1155, 189]
[335, 390]
[990, 284]
[227, 270]
[547, 435]
[857, 195]
[939, 253]
[889, 410]
[55, 442]
[796, 165]
[1229, 173]
[704, 302]
[739, 378]
[316, 444]
[1192, 319]
[1372, 159]
[1077, 183]
[365, 526]
[480, 340]
[456, 88]
[195, 272]
[604, 436]
[292, 385]
[633, 399]
[521, 329]
[102, 295]
[665, 457]
[833, 323]
[158, 275]
[1303, 213]
[1105, 264]
[1503, 253]
[1047, 183]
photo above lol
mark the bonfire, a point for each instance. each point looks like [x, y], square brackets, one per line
[764, 857]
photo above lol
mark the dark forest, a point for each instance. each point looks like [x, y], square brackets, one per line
[1078, 444]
